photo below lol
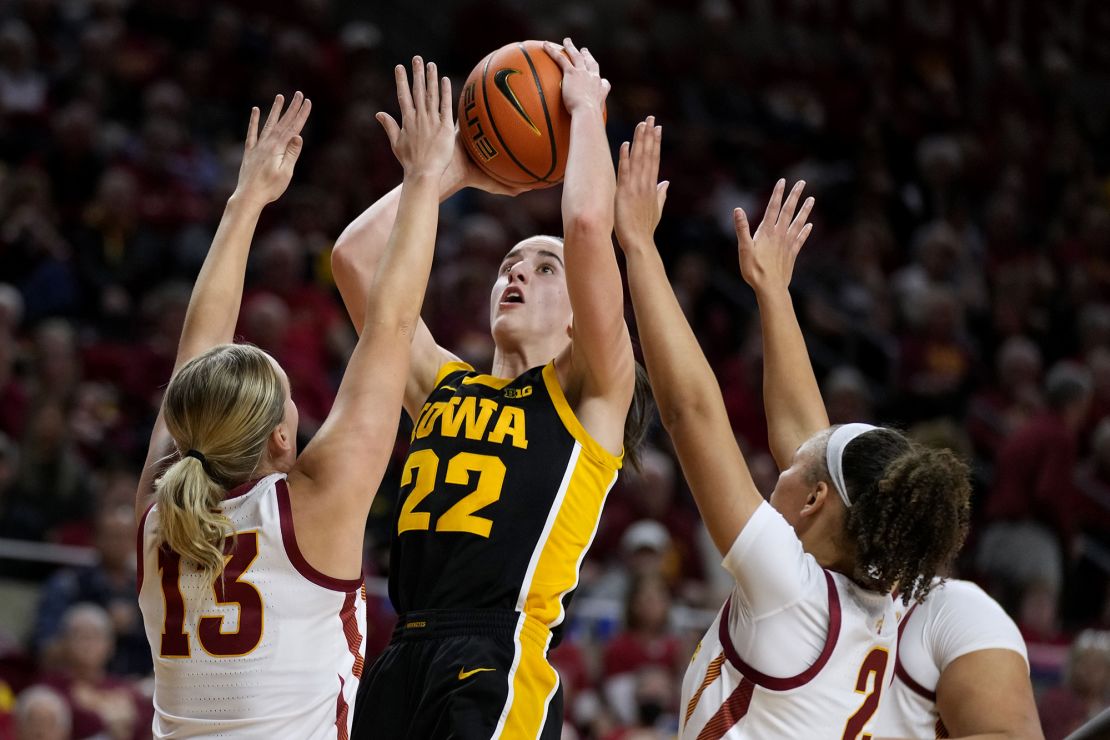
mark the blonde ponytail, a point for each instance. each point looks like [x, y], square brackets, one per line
[220, 406]
[189, 511]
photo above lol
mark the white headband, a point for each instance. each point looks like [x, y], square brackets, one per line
[834, 455]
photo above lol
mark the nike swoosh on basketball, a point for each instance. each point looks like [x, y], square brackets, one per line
[463, 675]
[501, 80]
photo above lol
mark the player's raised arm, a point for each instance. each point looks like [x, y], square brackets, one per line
[795, 410]
[601, 353]
[686, 391]
[358, 253]
[353, 444]
[269, 157]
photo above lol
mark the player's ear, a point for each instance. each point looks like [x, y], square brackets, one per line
[815, 499]
[280, 441]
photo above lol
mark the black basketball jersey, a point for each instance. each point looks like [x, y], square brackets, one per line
[501, 495]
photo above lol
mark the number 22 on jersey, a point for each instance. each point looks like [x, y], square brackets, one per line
[228, 588]
[872, 671]
[424, 465]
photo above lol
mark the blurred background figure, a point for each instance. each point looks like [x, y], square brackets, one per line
[42, 714]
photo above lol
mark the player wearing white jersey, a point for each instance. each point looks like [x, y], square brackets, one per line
[961, 670]
[278, 645]
[857, 509]
[250, 589]
[769, 670]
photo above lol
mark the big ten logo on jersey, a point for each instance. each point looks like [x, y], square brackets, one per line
[476, 419]
[482, 145]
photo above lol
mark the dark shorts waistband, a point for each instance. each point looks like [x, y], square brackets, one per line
[437, 623]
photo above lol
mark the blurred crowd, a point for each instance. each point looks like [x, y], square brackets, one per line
[957, 284]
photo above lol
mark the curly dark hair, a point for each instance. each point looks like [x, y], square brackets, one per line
[909, 513]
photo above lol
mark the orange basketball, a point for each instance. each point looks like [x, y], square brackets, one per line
[511, 116]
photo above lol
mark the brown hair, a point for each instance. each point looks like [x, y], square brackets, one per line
[223, 404]
[909, 513]
[640, 416]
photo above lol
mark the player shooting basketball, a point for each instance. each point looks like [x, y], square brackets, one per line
[508, 471]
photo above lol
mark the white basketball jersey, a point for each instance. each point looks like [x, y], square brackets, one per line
[836, 696]
[955, 619]
[272, 649]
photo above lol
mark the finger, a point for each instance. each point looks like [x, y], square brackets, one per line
[743, 228]
[637, 153]
[302, 116]
[622, 163]
[275, 113]
[291, 112]
[558, 54]
[432, 84]
[801, 238]
[588, 58]
[392, 130]
[446, 112]
[575, 55]
[252, 127]
[791, 202]
[775, 204]
[419, 86]
[651, 151]
[404, 94]
[661, 194]
[800, 220]
[605, 88]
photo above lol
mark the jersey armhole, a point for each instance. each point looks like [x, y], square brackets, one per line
[447, 369]
[570, 421]
[774, 683]
[293, 551]
[140, 535]
[900, 670]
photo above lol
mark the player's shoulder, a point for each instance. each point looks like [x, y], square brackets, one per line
[964, 597]
[960, 617]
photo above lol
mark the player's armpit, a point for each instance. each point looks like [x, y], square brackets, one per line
[985, 695]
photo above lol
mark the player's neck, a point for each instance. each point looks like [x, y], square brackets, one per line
[510, 361]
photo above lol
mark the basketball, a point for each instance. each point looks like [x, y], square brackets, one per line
[512, 118]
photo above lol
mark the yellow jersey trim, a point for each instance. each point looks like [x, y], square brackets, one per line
[491, 381]
[570, 421]
[450, 367]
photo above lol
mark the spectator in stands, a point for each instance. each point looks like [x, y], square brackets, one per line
[101, 703]
[1010, 400]
[1032, 506]
[646, 639]
[42, 714]
[51, 489]
[110, 584]
[1086, 688]
[645, 550]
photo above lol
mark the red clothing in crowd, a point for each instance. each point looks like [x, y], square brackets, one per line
[628, 652]
[1033, 475]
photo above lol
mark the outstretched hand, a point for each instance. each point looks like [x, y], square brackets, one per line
[270, 155]
[583, 86]
[767, 257]
[640, 197]
[424, 142]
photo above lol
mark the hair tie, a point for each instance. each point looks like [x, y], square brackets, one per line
[834, 455]
[203, 460]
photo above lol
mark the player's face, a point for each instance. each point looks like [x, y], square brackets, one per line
[796, 484]
[530, 296]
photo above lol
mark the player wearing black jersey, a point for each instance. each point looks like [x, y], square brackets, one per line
[507, 472]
